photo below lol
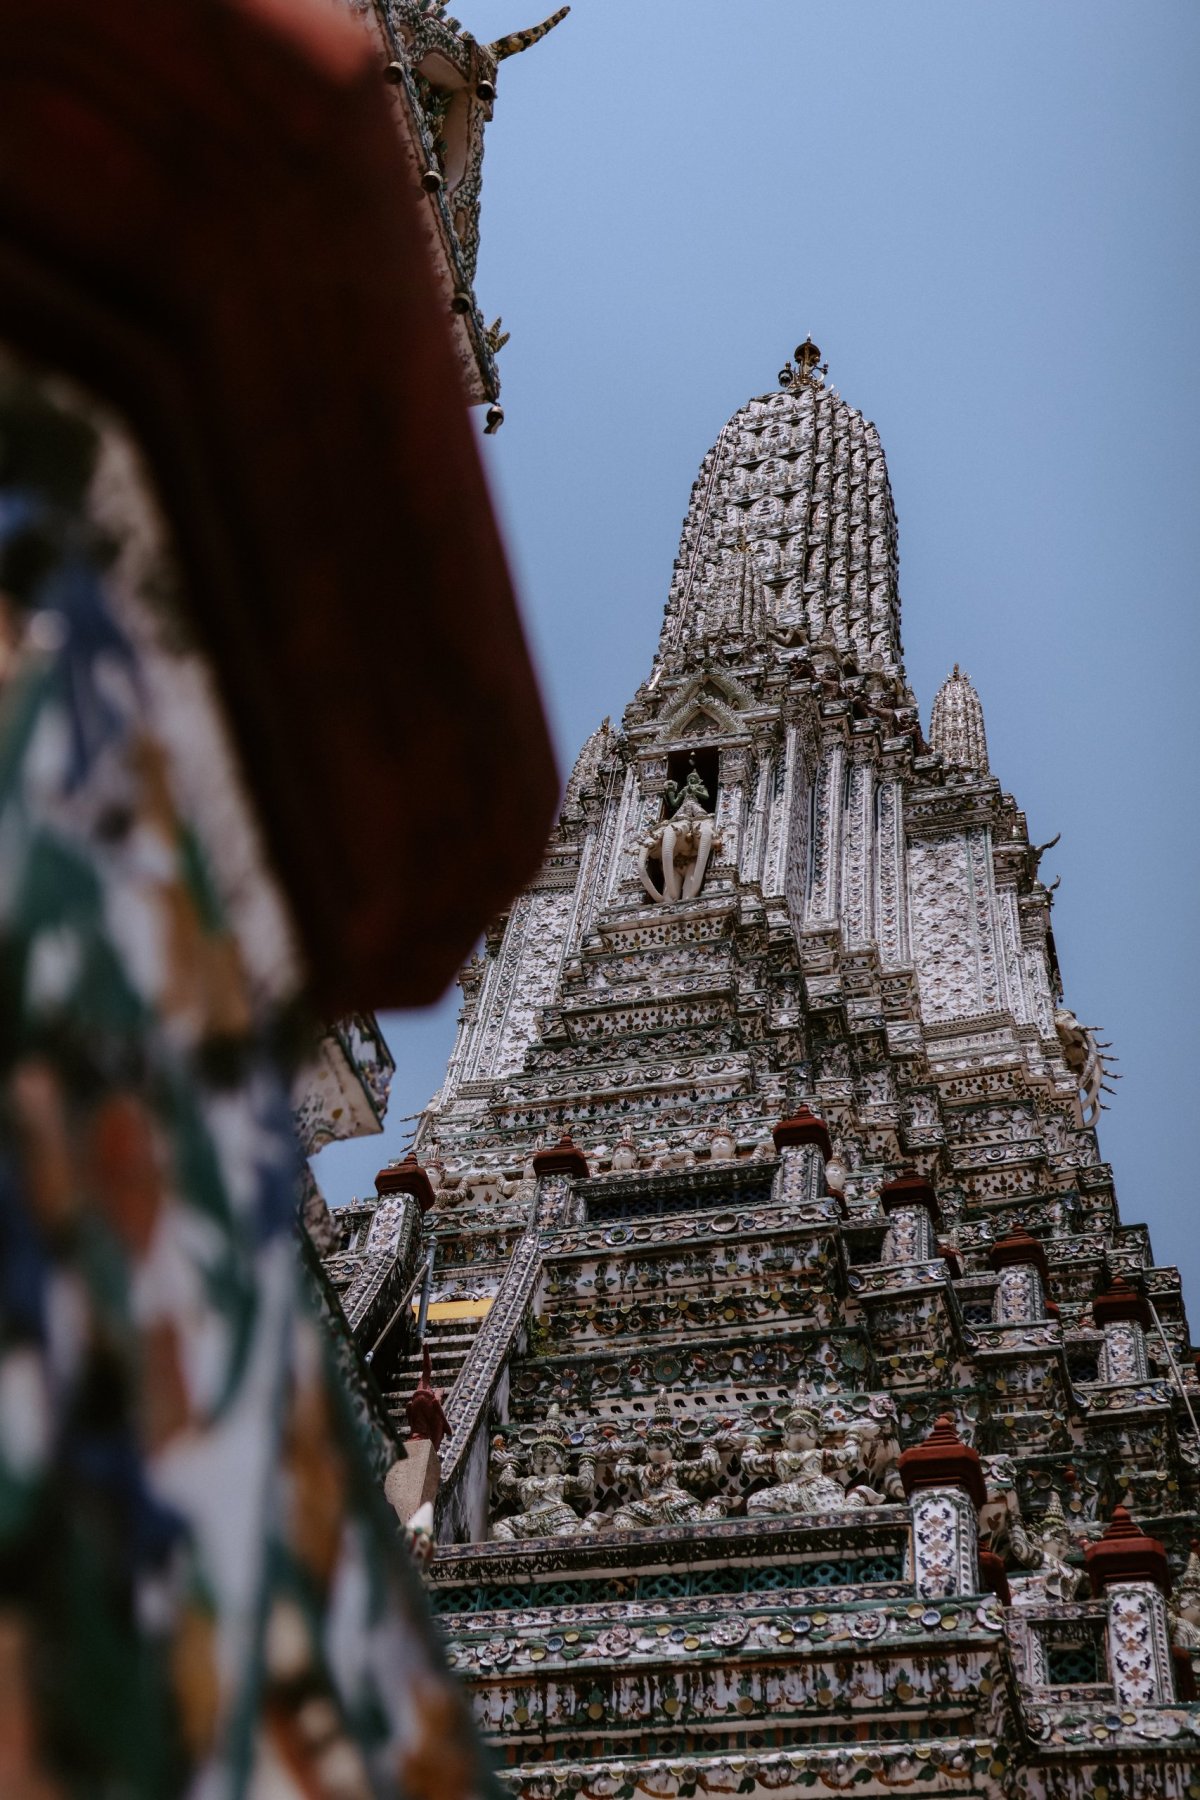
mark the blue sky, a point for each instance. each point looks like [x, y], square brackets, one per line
[985, 215]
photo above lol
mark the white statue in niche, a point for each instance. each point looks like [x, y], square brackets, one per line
[1184, 1609]
[871, 1455]
[683, 842]
[1002, 1528]
[624, 1156]
[722, 1145]
[1051, 1576]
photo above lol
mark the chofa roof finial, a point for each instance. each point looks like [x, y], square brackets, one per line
[516, 41]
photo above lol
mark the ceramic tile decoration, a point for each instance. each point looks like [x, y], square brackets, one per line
[796, 1361]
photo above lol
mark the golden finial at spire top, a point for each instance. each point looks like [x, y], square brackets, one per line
[808, 355]
[808, 370]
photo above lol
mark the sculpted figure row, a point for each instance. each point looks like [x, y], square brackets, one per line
[543, 1494]
[806, 1465]
[802, 1474]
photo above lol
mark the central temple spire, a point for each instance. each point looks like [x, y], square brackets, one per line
[778, 1287]
[795, 485]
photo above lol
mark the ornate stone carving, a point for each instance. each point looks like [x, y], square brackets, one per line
[954, 925]
[956, 727]
[1050, 1576]
[802, 1475]
[665, 1484]
[682, 843]
[544, 1493]
[1001, 1526]
[871, 1450]
[870, 941]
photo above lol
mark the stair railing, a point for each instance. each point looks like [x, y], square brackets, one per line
[424, 1271]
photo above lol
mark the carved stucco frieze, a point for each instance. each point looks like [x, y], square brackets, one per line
[826, 853]
[521, 982]
[953, 926]
[858, 855]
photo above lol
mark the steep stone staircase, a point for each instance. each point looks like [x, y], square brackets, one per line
[448, 1341]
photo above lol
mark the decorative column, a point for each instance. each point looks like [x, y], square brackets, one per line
[407, 1177]
[1123, 1315]
[1021, 1294]
[729, 805]
[913, 1219]
[1131, 1571]
[558, 1168]
[804, 1148]
[393, 1247]
[413, 1479]
[944, 1484]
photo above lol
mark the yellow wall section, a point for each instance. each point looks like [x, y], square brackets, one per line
[458, 1309]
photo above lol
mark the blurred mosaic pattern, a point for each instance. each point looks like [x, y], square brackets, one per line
[203, 1590]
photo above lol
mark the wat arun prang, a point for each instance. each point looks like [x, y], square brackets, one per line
[815, 1425]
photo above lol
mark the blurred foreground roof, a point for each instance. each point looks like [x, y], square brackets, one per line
[202, 218]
